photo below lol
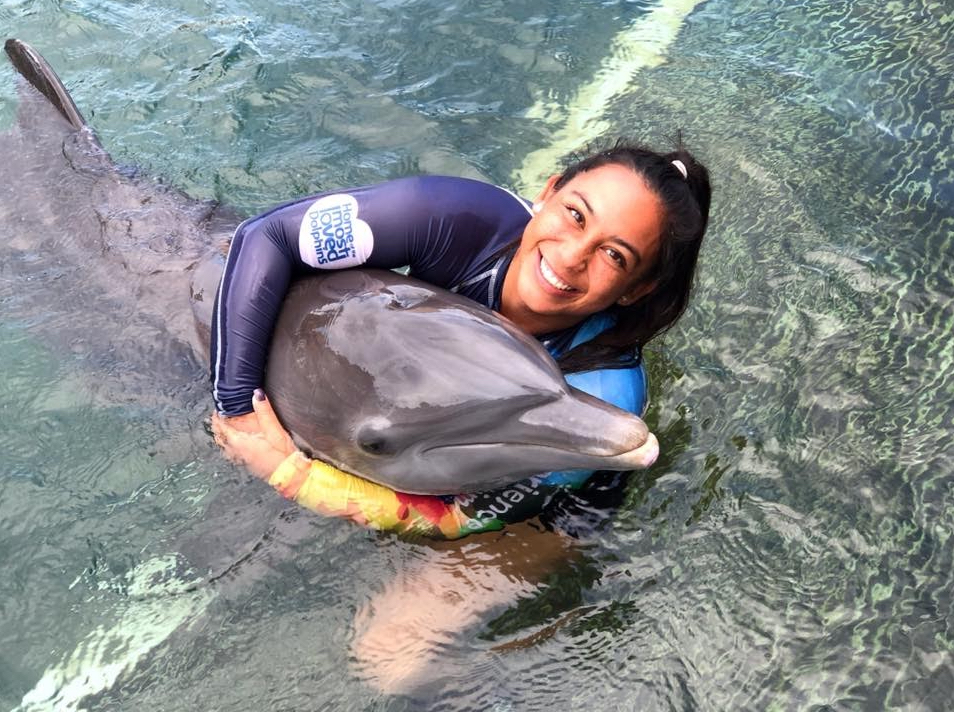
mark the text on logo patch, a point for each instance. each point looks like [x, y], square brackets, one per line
[331, 234]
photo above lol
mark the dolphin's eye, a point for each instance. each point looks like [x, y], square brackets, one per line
[375, 436]
[375, 446]
[374, 442]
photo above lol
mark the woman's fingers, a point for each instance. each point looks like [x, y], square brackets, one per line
[245, 443]
[229, 435]
[220, 430]
[247, 423]
[270, 426]
[256, 440]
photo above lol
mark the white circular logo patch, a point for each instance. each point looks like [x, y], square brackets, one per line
[331, 236]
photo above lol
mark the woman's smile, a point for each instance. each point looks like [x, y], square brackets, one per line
[550, 278]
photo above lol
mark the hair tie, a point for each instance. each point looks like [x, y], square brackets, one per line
[681, 167]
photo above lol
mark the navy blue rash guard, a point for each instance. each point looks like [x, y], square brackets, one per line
[450, 232]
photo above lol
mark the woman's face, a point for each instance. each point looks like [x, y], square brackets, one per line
[591, 244]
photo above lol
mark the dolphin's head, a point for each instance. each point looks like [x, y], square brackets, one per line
[426, 392]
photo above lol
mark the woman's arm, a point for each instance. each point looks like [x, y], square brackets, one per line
[437, 226]
[271, 455]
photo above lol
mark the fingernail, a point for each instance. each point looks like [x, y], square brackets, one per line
[259, 394]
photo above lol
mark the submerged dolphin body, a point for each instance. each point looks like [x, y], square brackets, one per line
[97, 259]
[391, 379]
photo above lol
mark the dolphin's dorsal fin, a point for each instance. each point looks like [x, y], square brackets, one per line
[40, 74]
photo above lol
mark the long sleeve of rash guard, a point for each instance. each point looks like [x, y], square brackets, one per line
[438, 226]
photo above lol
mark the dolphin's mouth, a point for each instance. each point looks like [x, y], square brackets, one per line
[603, 453]
[459, 446]
[634, 458]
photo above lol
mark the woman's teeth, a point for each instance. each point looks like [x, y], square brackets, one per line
[551, 278]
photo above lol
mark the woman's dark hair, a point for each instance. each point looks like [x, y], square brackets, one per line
[685, 202]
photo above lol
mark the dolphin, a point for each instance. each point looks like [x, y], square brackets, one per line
[129, 259]
[376, 373]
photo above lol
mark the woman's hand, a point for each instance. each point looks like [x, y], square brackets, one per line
[256, 440]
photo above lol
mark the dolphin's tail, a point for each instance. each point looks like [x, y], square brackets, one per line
[41, 76]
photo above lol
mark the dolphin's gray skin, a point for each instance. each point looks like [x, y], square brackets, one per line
[393, 380]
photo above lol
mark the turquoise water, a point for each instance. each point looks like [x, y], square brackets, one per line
[792, 550]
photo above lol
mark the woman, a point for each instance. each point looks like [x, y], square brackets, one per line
[601, 263]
